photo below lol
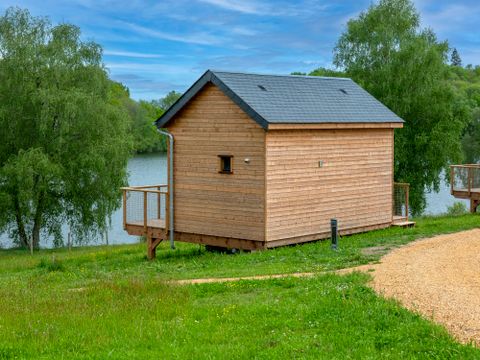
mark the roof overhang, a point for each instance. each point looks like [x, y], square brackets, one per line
[334, 125]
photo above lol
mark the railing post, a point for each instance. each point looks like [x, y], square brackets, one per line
[167, 212]
[469, 169]
[159, 203]
[124, 210]
[145, 212]
[407, 187]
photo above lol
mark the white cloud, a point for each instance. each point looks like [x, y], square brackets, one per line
[199, 38]
[142, 67]
[240, 30]
[132, 54]
[246, 7]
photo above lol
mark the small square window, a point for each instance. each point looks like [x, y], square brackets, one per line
[226, 164]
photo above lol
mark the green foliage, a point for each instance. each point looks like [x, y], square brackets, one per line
[164, 103]
[321, 71]
[467, 83]
[458, 208]
[385, 50]
[455, 58]
[109, 302]
[142, 115]
[327, 72]
[63, 145]
[471, 139]
[51, 265]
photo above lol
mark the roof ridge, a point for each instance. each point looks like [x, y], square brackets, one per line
[277, 75]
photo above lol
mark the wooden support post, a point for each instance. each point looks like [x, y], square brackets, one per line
[474, 205]
[152, 244]
[150, 248]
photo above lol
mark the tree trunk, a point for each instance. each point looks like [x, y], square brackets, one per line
[37, 222]
[36, 235]
[20, 225]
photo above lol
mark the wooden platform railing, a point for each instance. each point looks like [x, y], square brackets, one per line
[400, 201]
[146, 206]
[465, 178]
[465, 183]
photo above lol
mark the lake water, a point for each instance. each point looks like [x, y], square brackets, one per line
[151, 169]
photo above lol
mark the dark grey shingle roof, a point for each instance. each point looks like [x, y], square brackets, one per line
[292, 99]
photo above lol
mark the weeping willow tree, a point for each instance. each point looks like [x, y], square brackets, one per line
[63, 145]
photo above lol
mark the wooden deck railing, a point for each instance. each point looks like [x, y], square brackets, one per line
[464, 179]
[400, 201]
[146, 206]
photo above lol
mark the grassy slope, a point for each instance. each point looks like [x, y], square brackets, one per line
[100, 302]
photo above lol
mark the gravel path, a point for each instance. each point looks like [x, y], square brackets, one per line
[439, 277]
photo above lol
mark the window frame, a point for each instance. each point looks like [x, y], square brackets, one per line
[221, 161]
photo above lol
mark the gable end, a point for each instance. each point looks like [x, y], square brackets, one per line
[208, 77]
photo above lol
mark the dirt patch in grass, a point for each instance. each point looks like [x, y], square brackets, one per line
[229, 279]
[375, 250]
[438, 277]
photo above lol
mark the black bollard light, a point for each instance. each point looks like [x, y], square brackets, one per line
[334, 226]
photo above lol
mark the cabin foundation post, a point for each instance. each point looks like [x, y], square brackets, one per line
[152, 244]
[151, 250]
[474, 205]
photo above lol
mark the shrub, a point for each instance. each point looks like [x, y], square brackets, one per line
[458, 208]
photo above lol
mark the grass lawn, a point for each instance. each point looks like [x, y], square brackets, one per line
[101, 302]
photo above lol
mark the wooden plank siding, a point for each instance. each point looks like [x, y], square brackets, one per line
[206, 201]
[354, 185]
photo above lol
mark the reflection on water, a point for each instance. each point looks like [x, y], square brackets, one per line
[437, 203]
[151, 169]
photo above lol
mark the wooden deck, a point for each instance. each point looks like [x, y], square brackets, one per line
[150, 204]
[402, 221]
[155, 228]
[465, 183]
[473, 193]
[146, 213]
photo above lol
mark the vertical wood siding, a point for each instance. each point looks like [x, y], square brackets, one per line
[354, 185]
[207, 202]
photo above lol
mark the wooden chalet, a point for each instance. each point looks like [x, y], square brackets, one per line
[259, 161]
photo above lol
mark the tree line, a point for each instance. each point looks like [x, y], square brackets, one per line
[142, 114]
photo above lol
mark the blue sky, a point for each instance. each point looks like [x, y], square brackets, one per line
[157, 46]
